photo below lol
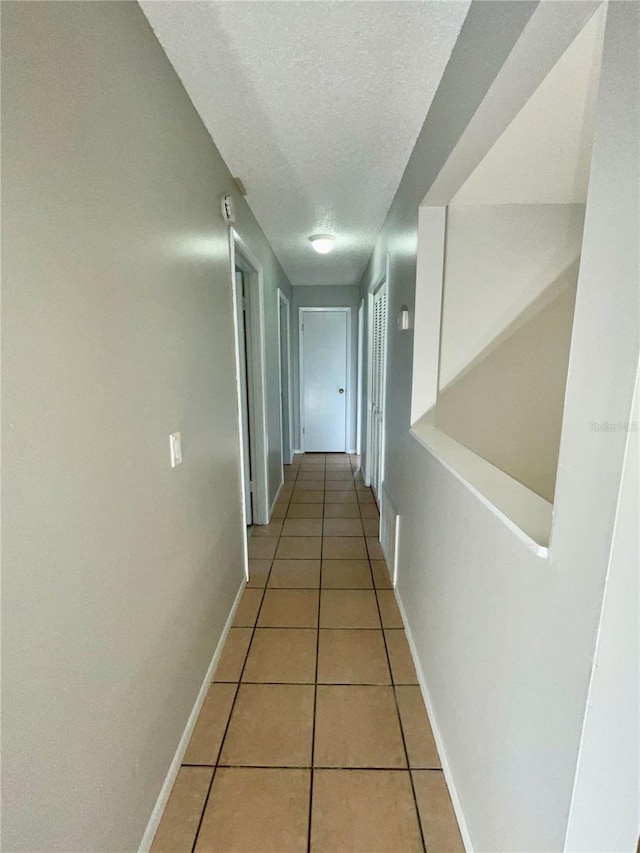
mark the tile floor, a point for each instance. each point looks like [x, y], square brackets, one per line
[314, 735]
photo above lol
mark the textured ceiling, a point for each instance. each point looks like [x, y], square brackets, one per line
[316, 106]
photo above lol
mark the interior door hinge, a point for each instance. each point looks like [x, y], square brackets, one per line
[244, 303]
[252, 487]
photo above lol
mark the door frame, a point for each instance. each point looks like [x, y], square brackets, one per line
[373, 288]
[346, 310]
[360, 378]
[287, 452]
[240, 255]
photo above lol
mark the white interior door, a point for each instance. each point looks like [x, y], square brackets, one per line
[324, 340]
[378, 373]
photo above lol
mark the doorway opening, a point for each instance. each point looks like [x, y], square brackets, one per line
[377, 347]
[284, 351]
[325, 344]
[249, 332]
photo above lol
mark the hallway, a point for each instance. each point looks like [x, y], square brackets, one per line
[314, 733]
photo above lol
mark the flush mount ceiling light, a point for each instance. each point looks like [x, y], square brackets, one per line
[322, 243]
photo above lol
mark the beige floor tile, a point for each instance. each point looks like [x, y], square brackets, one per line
[302, 527]
[344, 548]
[281, 656]
[366, 497]
[262, 548]
[307, 496]
[233, 654]
[364, 811]
[209, 729]
[271, 726]
[357, 727]
[289, 608]
[341, 511]
[305, 511]
[371, 527]
[310, 476]
[342, 527]
[346, 574]
[439, 825]
[348, 609]
[258, 572]
[247, 611]
[181, 818]
[374, 548]
[312, 466]
[299, 548]
[295, 574]
[389, 612]
[402, 667]
[272, 529]
[256, 811]
[421, 747]
[309, 486]
[381, 577]
[369, 510]
[339, 486]
[352, 657]
[341, 473]
[279, 510]
[341, 497]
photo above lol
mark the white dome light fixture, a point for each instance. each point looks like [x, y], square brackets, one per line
[323, 243]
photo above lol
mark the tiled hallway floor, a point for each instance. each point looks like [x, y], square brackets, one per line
[314, 734]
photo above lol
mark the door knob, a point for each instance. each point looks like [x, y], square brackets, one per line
[341, 391]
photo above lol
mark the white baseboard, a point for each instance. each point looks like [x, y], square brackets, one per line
[275, 500]
[295, 453]
[174, 767]
[442, 752]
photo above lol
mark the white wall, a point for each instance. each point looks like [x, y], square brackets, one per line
[324, 296]
[508, 408]
[505, 639]
[500, 261]
[605, 812]
[118, 571]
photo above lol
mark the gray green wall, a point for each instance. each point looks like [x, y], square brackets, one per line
[118, 572]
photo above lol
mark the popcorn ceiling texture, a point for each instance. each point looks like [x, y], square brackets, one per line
[316, 106]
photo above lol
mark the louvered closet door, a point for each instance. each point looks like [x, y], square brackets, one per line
[379, 331]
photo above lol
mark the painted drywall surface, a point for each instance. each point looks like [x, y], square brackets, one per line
[118, 571]
[504, 638]
[328, 296]
[499, 261]
[544, 154]
[605, 813]
[508, 408]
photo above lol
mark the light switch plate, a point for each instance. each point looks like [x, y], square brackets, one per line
[175, 447]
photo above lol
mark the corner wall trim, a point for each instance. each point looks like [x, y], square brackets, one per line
[455, 799]
[174, 767]
[275, 501]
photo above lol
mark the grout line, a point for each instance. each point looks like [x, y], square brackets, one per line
[315, 685]
[316, 767]
[235, 697]
[395, 699]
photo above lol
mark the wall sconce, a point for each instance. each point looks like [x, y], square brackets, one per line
[403, 319]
